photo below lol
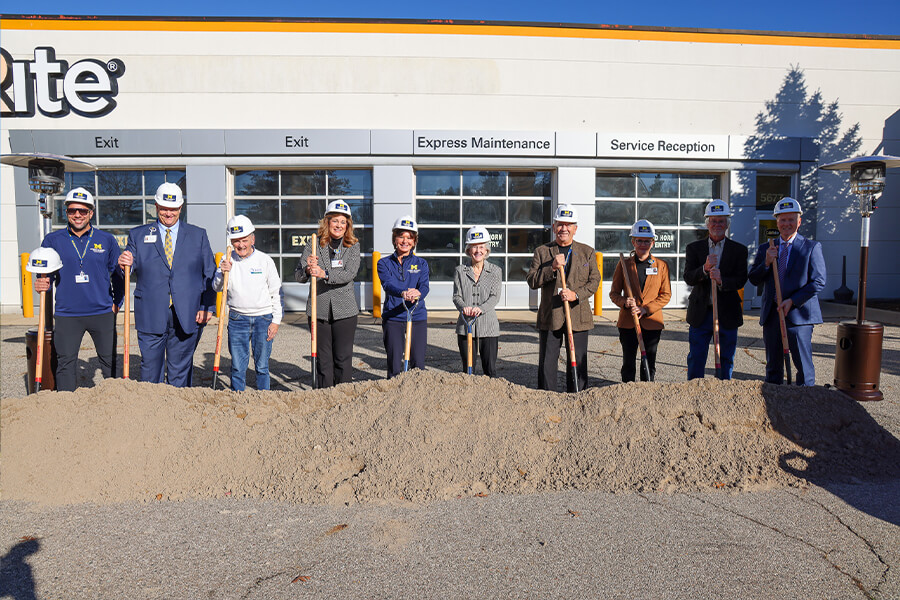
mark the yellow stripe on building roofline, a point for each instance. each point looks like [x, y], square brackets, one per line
[612, 33]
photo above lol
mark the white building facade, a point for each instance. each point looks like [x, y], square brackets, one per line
[456, 125]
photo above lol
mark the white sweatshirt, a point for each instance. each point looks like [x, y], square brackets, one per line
[254, 287]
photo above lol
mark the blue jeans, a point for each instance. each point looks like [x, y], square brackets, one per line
[246, 333]
[698, 340]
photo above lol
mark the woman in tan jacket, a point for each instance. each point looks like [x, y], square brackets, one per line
[649, 278]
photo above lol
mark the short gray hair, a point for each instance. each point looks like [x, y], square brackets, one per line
[486, 245]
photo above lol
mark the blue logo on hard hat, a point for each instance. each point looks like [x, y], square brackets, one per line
[643, 229]
[169, 197]
[342, 206]
[787, 204]
[716, 208]
[38, 262]
[79, 195]
[406, 223]
[565, 213]
[477, 235]
[237, 229]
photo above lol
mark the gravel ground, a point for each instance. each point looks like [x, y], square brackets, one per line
[840, 542]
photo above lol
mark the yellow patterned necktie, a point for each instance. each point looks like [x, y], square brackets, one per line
[167, 246]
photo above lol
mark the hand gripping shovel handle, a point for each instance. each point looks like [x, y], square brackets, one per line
[645, 366]
[222, 312]
[570, 339]
[313, 326]
[126, 308]
[408, 342]
[39, 360]
[784, 339]
[469, 321]
[715, 308]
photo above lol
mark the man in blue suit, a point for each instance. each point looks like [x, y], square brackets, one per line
[800, 266]
[174, 298]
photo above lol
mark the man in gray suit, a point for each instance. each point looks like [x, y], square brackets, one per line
[582, 280]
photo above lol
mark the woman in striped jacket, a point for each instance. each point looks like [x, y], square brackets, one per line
[476, 291]
[336, 265]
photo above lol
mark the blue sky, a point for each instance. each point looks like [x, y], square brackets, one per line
[827, 16]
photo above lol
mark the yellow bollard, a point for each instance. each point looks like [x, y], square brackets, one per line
[219, 256]
[376, 286]
[598, 295]
[27, 290]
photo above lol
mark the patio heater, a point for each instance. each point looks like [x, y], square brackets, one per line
[46, 178]
[857, 360]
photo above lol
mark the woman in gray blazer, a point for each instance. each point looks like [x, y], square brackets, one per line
[336, 266]
[476, 291]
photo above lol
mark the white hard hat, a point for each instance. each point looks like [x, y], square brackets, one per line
[81, 196]
[169, 195]
[643, 229]
[406, 223]
[565, 213]
[787, 205]
[43, 260]
[239, 226]
[477, 235]
[717, 208]
[338, 206]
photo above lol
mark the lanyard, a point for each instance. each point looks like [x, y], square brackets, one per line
[86, 245]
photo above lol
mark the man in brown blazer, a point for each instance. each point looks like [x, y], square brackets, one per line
[582, 280]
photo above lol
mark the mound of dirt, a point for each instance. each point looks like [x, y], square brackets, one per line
[430, 435]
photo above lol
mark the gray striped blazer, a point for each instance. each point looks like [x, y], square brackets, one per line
[336, 294]
[485, 294]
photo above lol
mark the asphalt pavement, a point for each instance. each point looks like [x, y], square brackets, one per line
[840, 541]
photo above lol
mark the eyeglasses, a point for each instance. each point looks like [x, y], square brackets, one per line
[642, 241]
[77, 211]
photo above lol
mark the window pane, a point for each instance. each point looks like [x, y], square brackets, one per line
[437, 183]
[690, 235]
[484, 212]
[438, 240]
[692, 213]
[365, 269]
[365, 237]
[303, 183]
[529, 212]
[614, 185]
[484, 183]
[522, 240]
[437, 211]
[700, 186]
[75, 180]
[267, 241]
[119, 183]
[518, 268]
[441, 268]
[770, 189]
[153, 179]
[288, 266]
[657, 185]
[529, 183]
[613, 241]
[350, 182]
[666, 241]
[659, 213]
[256, 183]
[295, 239]
[609, 265]
[614, 213]
[361, 210]
[302, 211]
[120, 212]
[260, 212]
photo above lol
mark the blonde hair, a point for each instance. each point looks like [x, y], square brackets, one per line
[325, 236]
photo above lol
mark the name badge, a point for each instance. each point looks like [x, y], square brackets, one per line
[150, 239]
[256, 271]
[337, 263]
[652, 271]
[82, 278]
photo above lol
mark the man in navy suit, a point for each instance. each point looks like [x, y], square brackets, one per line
[800, 266]
[174, 298]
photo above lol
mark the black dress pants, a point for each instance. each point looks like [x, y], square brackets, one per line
[335, 350]
[630, 349]
[67, 335]
[548, 359]
[486, 347]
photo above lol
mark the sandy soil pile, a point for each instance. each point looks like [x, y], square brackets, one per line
[431, 435]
